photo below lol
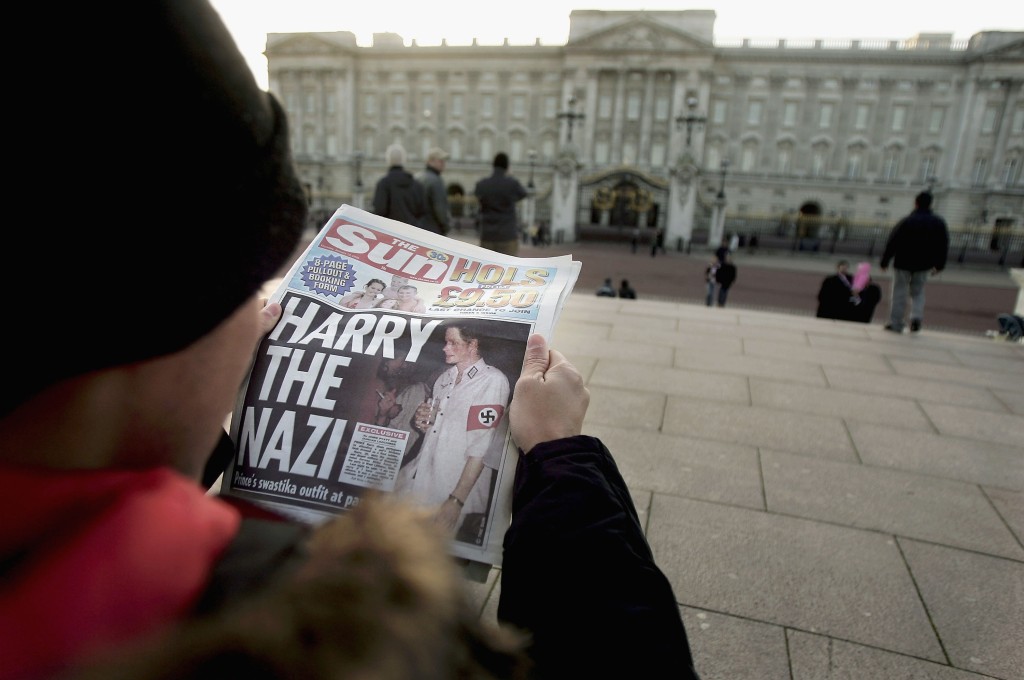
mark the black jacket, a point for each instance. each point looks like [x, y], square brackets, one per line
[726, 275]
[400, 197]
[918, 242]
[578, 574]
[498, 195]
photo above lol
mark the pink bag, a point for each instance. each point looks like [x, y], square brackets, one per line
[862, 277]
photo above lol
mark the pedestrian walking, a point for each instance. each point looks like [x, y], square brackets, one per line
[720, 275]
[658, 243]
[437, 216]
[498, 195]
[918, 245]
[398, 195]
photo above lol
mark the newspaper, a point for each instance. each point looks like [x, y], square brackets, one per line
[391, 369]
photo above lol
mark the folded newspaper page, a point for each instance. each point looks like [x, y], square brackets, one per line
[391, 369]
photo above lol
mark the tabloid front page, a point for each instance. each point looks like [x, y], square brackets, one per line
[392, 368]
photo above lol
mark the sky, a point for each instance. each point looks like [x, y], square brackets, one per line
[523, 21]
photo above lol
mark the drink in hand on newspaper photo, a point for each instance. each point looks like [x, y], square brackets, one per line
[351, 392]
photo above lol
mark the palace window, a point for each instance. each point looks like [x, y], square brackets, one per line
[928, 166]
[899, 118]
[661, 107]
[550, 106]
[1017, 127]
[891, 165]
[633, 106]
[819, 161]
[397, 104]
[456, 105]
[1011, 171]
[519, 106]
[657, 153]
[604, 106]
[861, 115]
[748, 159]
[979, 171]
[783, 159]
[487, 106]
[754, 109]
[854, 163]
[718, 110]
[935, 118]
[370, 104]
[515, 149]
[789, 112]
[825, 115]
[988, 120]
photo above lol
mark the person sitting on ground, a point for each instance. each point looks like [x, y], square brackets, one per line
[119, 565]
[626, 291]
[835, 292]
[606, 289]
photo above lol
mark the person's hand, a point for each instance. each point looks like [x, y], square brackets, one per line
[550, 399]
[386, 406]
[421, 419]
[447, 515]
[269, 315]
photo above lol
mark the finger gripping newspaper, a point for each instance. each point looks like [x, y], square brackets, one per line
[392, 369]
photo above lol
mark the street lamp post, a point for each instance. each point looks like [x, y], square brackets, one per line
[357, 194]
[721, 187]
[357, 160]
[692, 119]
[571, 116]
[531, 199]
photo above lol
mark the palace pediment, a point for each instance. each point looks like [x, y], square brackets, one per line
[286, 44]
[639, 34]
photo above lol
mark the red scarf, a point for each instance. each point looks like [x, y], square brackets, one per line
[95, 558]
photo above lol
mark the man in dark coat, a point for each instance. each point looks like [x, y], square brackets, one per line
[917, 245]
[498, 195]
[437, 217]
[398, 195]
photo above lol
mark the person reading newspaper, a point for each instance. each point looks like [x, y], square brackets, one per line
[118, 564]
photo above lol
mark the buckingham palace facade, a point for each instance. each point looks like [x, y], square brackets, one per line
[846, 130]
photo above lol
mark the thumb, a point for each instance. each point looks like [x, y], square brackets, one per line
[537, 358]
[269, 316]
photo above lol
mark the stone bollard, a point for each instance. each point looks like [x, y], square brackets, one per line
[1018, 277]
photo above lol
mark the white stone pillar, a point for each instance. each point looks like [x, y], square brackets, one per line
[682, 199]
[1018, 277]
[565, 195]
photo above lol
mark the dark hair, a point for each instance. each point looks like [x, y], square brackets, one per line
[923, 200]
[501, 160]
[470, 330]
[373, 281]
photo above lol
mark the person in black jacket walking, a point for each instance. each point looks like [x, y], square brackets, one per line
[398, 195]
[917, 245]
[498, 195]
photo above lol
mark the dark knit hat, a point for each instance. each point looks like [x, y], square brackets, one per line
[162, 187]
